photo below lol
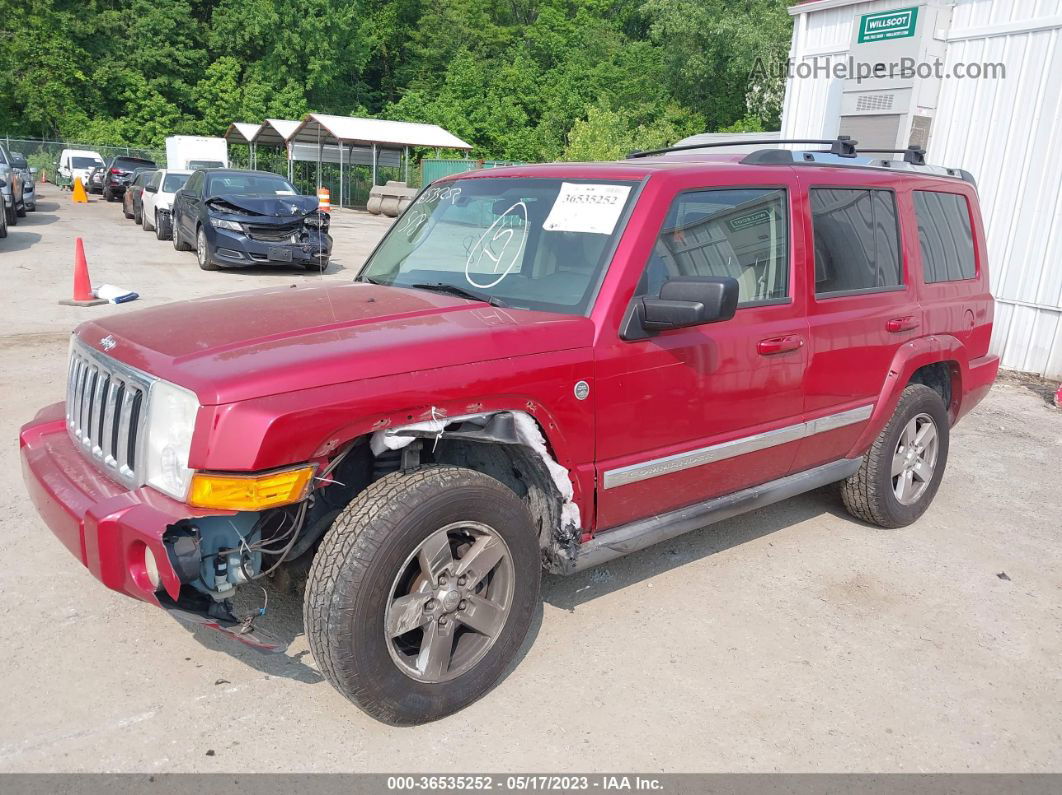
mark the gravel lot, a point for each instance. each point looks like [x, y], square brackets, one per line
[791, 639]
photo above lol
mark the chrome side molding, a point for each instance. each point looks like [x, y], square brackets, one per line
[655, 467]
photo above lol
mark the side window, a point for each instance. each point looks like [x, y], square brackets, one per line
[857, 240]
[156, 180]
[194, 184]
[743, 233]
[945, 236]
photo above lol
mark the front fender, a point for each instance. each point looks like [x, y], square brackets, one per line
[310, 424]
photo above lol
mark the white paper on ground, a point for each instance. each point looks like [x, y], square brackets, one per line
[584, 207]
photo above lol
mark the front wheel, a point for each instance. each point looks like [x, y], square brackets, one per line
[900, 474]
[422, 592]
[202, 251]
[163, 226]
[12, 216]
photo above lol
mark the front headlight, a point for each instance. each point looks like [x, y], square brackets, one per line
[171, 421]
[219, 223]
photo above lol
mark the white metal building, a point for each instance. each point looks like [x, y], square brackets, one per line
[1004, 128]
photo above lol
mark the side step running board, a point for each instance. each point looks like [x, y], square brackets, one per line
[644, 533]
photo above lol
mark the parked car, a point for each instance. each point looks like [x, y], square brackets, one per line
[158, 200]
[14, 206]
[3, 211]
[94, 179]
[76, 163]
[237, 219]
[544, 365]
[28, 175]
[132, 199]
[119, 173]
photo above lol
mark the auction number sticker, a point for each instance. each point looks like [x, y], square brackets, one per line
[582, 207]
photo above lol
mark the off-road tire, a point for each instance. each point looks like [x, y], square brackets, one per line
[352, 575]
[868, 494]
[202, 251]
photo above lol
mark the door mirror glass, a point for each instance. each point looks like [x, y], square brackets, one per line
[690, 301]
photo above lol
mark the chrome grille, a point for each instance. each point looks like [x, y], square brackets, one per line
[106, 412]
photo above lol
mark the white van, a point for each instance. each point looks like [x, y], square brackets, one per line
[76, 163]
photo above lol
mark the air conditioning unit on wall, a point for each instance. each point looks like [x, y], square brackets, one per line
[891, 89]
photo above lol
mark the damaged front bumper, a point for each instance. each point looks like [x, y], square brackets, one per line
[251, 247]
[116, 533]
[108, 528]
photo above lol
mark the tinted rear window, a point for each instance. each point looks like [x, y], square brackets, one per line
[857, 240]
[945, 236]
[129, 163]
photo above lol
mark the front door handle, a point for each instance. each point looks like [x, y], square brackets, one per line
[784, 344]
[898, 324]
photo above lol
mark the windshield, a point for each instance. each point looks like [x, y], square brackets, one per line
[527, 243]
[85, 162]
[249, 185]
[174, 182]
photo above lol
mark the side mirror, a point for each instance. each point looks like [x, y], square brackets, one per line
[690, 301]
[150, 189]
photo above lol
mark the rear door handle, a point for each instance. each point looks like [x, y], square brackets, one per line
[898, 324]
[784, 344]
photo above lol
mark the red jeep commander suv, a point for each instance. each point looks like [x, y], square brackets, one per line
[541, 366]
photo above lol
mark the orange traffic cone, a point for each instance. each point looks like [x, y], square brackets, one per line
[79, 196]
[82, 286]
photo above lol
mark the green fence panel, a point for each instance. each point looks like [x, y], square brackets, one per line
[433, 169]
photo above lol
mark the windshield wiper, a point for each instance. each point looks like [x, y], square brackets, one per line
[461, 292]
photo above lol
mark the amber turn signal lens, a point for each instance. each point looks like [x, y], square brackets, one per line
[249, 492]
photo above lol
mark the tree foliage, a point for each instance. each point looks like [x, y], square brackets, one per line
[520, 79]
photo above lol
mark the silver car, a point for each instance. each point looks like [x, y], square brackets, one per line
[29, 178]
[14, 206]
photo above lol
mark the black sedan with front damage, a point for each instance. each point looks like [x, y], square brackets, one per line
[239, 219]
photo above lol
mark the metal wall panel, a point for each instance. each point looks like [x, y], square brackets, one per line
[1008, 133]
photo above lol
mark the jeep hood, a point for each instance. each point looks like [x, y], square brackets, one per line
[246, 345]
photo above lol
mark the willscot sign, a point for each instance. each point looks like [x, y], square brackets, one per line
[898, 24]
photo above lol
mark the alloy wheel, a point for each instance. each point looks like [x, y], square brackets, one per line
[449, 602]
[915, 459]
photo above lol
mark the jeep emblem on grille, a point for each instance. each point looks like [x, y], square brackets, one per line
[108, 342]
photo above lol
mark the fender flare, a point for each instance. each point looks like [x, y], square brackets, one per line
[909, 357]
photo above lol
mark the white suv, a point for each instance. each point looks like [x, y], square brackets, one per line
[158, 201]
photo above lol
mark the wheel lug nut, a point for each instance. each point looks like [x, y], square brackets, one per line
[429, 605]
[461, 581]
[462, 605]
[443, 621]
[442, 581]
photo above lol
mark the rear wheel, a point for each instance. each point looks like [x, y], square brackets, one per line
[178, 243]
[20, 211]
[138, 215]
[108, 195]
[900, 474]
[3, 223]
[422, 592]
[202, 251]
[12, 216]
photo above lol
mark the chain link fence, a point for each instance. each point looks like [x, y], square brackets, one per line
[44, 155]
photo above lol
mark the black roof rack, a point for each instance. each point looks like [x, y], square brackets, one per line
[915, 155]
[842, 146]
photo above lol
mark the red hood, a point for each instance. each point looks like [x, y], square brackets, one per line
[245, 345]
